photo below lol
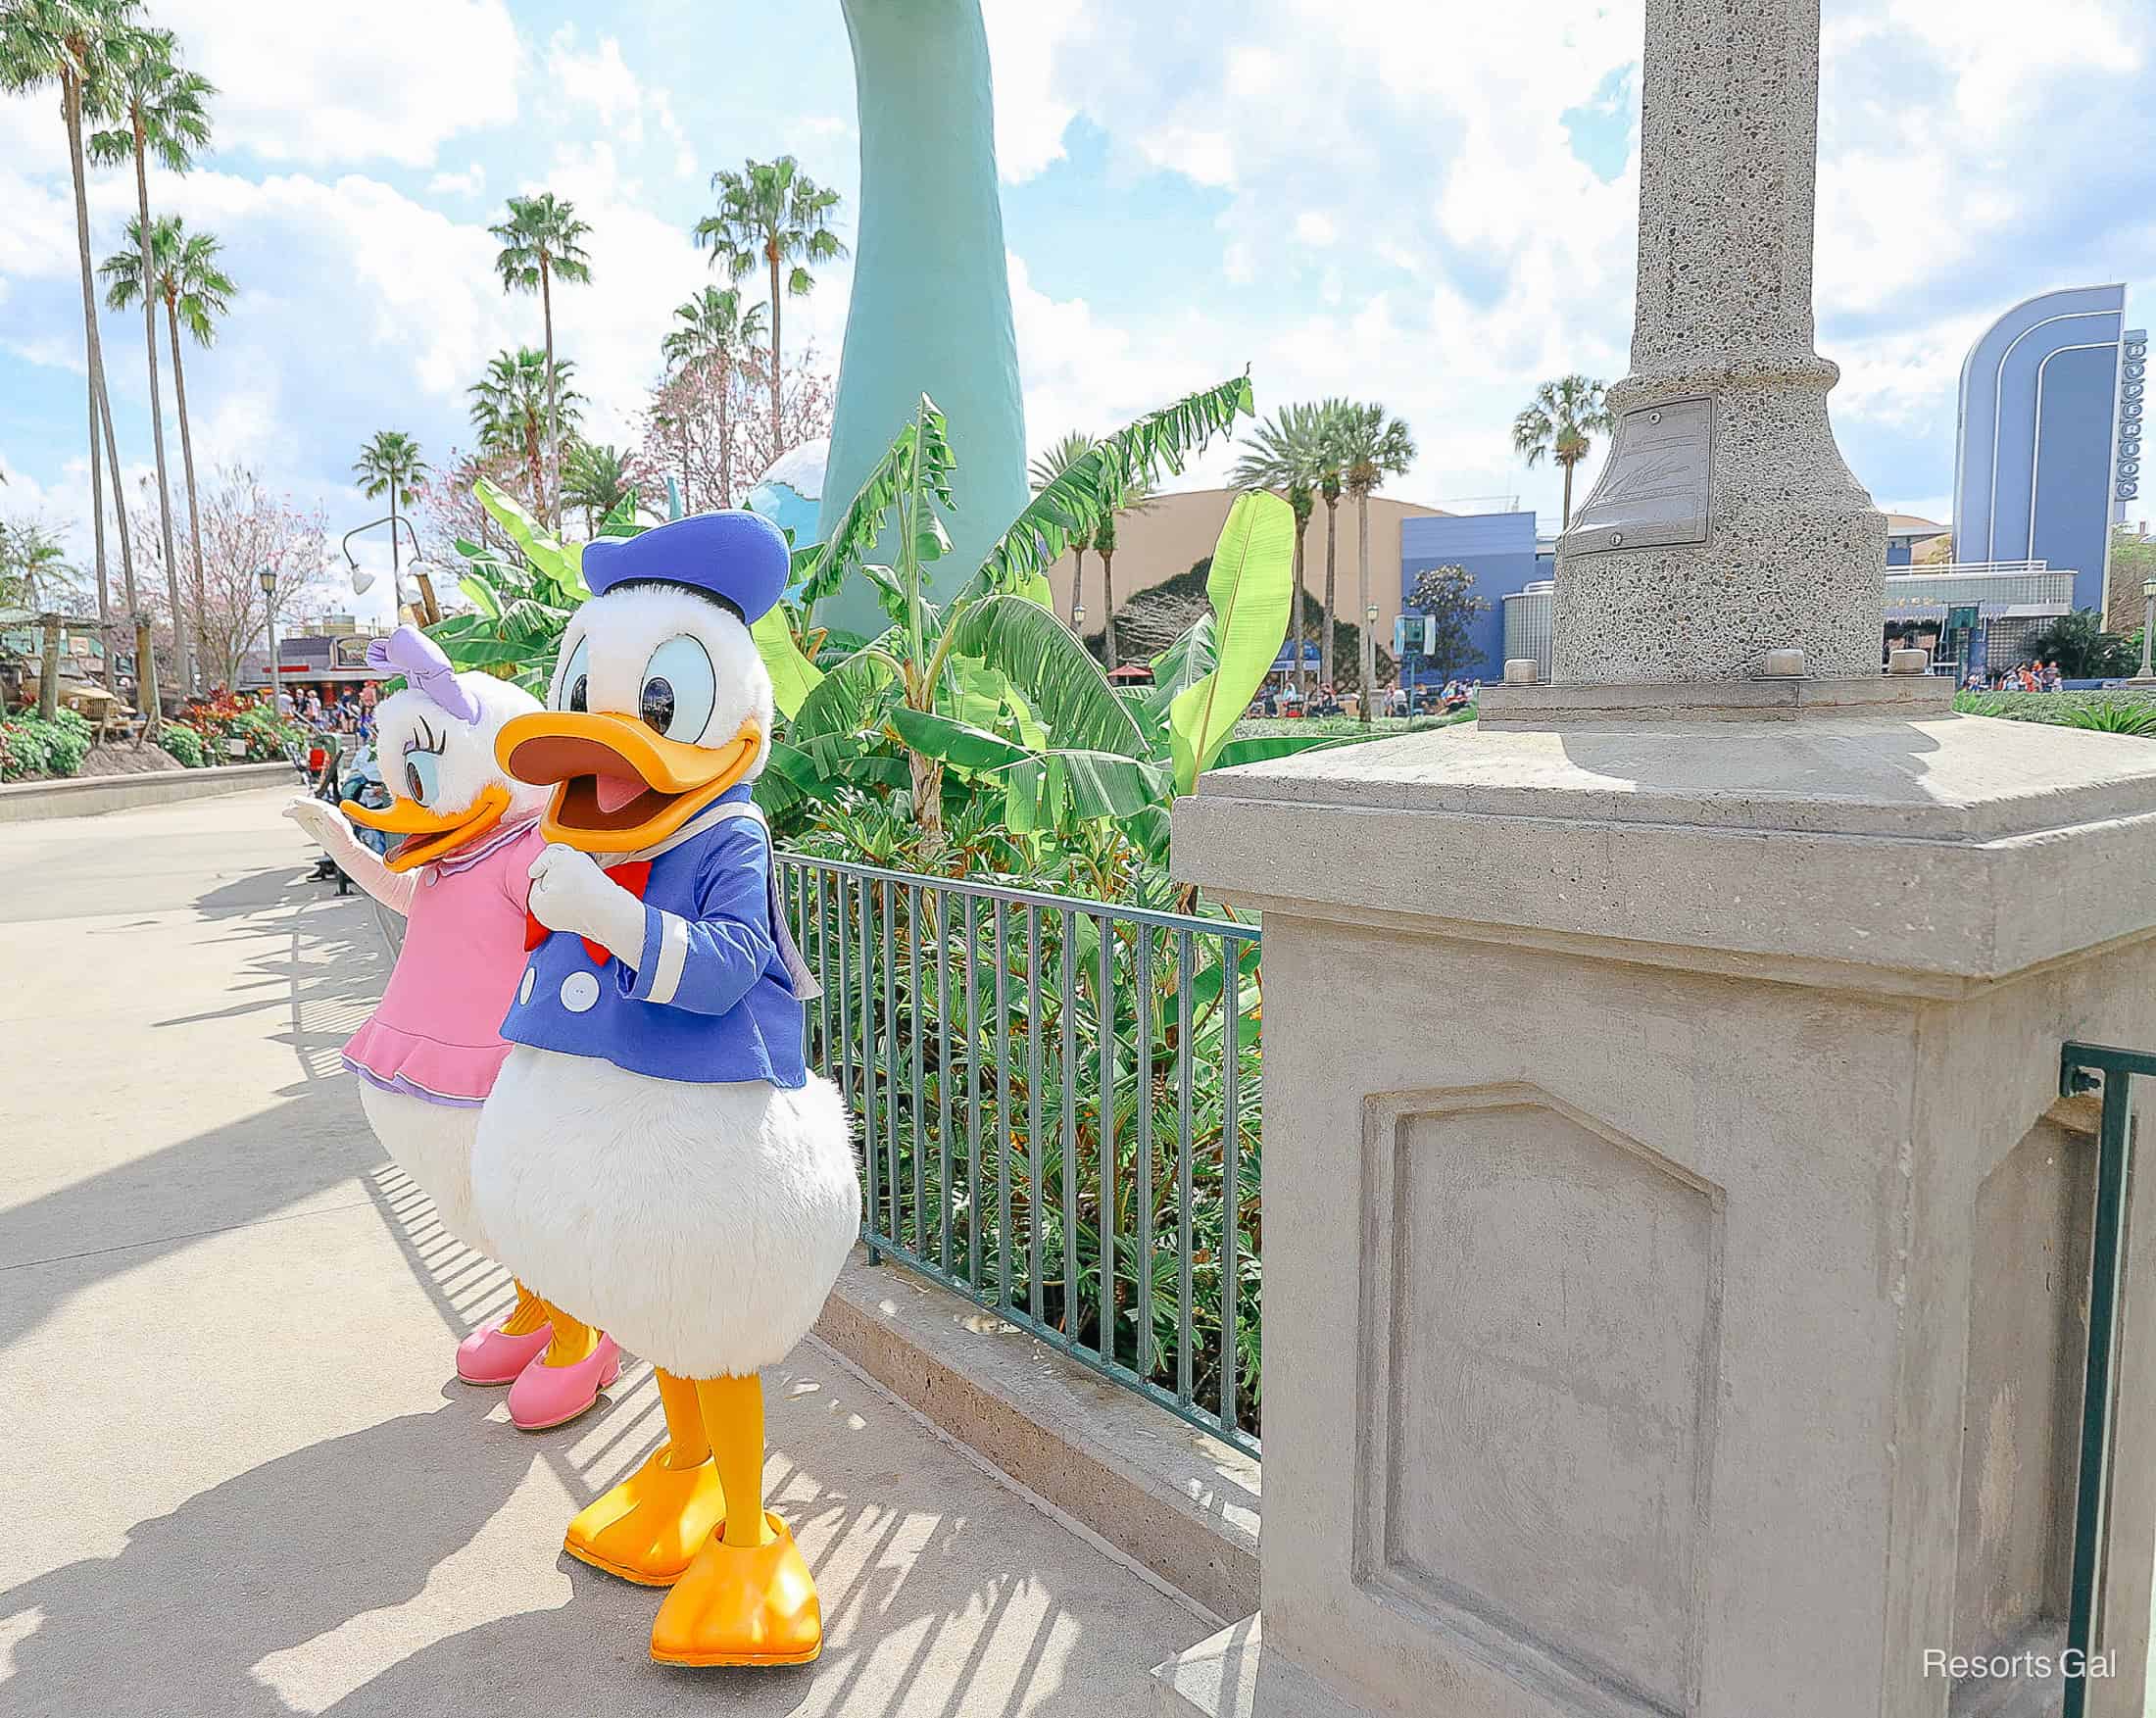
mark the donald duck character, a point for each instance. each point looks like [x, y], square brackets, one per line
[656, 1150]
[427, 1057]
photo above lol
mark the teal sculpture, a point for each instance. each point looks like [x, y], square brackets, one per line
[930, 310]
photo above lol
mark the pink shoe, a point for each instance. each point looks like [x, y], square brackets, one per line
[544, 1396]
[487, 1356]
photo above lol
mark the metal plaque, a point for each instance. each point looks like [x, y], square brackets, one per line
[1654, 491]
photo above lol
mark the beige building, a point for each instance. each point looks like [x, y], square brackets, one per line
[1174, 531]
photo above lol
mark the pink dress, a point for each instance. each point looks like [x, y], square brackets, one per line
[437, 1034]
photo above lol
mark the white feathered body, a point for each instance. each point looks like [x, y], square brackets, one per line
[432, 1143]
[701, 1225]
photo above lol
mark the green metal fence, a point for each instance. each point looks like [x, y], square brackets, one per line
[1058, 1106]
[2090, 1067]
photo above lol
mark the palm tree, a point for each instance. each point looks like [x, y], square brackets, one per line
[1559, 421]
[68, 43]
[542, 242]
[1285, 452]
[771, 213]
[712, 325]
[1066, 451]
[163, 114]
[34, 566]
[196, 293]
[512, 403]
[596, 480]
[390, 464]
[1328, 428]
[1133, 500]
[1370, 446]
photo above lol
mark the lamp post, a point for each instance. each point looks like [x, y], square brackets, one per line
[1078, 621]
[1369, 665]
[2148, 628]
[431, 612]
[266, 577]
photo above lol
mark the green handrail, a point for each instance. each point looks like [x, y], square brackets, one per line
[2083, 1067]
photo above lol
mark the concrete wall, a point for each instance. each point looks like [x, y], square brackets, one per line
[1497, 548]
[85, 796]
[1173, 532]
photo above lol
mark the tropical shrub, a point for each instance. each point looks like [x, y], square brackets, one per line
[2081, 646]
[264, 736]
[2101, 712]
[182, 743]
[982, 700]
[32, 748]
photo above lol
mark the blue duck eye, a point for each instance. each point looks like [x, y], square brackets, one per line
[422, 775]
[573, 688]
[679, 690]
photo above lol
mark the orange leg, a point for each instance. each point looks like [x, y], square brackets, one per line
[749, 1598]
[573, 1338]
[651, 1526]
[527, 1315]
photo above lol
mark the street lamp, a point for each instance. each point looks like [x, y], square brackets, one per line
[430, 612]
[2148, 623]
[266, 577]
[1363, 707]
[1078, 620]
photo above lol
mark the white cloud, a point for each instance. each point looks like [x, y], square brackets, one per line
[468, 183]
[351, 80]
[603, 81]
[1027, 40]
[1969, 156]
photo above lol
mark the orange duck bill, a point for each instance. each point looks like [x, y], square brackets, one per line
[617, 786]
[428, 835]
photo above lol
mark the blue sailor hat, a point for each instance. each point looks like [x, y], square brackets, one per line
[737, 556]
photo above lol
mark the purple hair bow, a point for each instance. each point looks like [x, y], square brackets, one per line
[420, 660]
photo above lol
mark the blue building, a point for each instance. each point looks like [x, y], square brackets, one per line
[2039, 469]
[1497, 548]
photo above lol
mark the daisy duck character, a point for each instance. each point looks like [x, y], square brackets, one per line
[428, 1055]
[656, 1149]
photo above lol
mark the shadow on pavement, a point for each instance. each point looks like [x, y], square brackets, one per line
[929, 1610]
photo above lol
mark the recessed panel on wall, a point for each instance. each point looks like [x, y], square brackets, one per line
[1544, 1303]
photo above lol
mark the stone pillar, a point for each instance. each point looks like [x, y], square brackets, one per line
[1725, 524]
[1680, 1307]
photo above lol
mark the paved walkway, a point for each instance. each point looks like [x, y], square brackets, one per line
[232, 1477]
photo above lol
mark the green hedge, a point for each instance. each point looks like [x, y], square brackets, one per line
[182, 743]
[31, 749]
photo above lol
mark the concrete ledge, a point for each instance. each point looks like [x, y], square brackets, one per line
[85, 796]
[1176, 1501]
[1561, 705]
[1226, 1676]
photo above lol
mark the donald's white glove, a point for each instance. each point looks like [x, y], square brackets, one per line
[570, 893]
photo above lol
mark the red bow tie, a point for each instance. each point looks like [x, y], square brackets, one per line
[632, 876]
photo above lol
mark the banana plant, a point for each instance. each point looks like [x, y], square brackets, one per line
[990, 688]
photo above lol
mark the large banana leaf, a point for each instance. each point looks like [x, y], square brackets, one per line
[1248, 588]
[1262, 748]
[1052, 672]
[561, 562]
[1041, 792]
[1090, 487]
[953, 742]
[920, 451]
[849, 699]
[793, 675]
[1179, 667]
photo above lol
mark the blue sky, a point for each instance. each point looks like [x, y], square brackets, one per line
[1411, 211]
